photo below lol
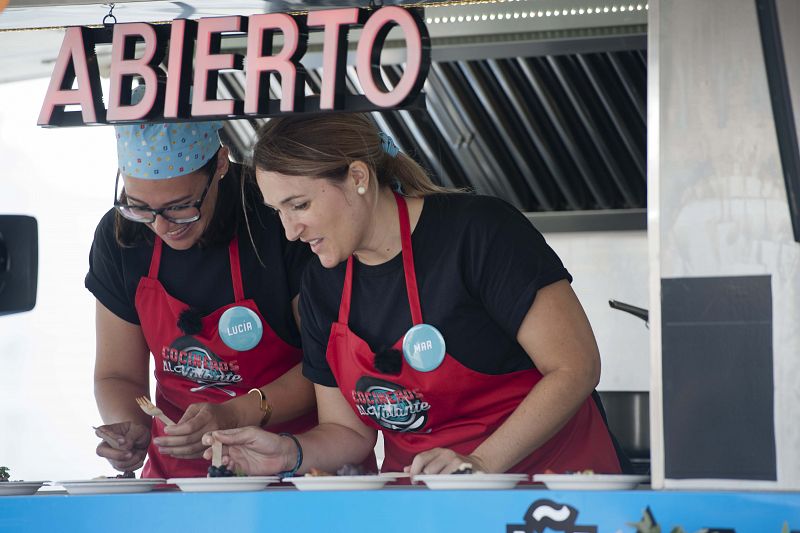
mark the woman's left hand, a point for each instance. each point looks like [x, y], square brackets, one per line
[442, 461]
[183, 440]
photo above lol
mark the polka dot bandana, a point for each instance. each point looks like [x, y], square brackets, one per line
[163, 151]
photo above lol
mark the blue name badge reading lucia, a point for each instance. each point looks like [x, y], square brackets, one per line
[240, 328]
[423, 347]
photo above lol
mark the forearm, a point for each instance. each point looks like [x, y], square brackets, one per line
[556, 335]
[339, 438]
[120, 368]
[290, 396]
[116, 400]
[544, 411]
[329, 446]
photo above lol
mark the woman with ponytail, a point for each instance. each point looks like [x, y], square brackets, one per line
[441, 318]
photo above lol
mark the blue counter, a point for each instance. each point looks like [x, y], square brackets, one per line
[404, 510]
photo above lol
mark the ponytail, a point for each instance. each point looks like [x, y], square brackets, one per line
[324, 146]
[406, 172]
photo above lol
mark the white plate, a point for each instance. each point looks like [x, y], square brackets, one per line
[223, 484]
[590, 481]
[394, 476]
[339, 482]
[109, 485]
[471, 481]
[20, 488]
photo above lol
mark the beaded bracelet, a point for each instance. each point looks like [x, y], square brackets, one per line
[293, 471]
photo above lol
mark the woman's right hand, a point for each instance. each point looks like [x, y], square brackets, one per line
[128, 444]
[253, 451]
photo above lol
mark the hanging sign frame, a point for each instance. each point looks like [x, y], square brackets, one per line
[186, 91]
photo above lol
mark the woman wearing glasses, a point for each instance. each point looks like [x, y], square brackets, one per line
[190, 267]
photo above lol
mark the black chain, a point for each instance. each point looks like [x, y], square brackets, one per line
[110, 15]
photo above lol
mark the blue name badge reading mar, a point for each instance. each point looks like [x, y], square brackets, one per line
[240, 328]
[423, 347]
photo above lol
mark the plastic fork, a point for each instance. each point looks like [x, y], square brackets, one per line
[216, 453]
[151, 409]
[109, 438]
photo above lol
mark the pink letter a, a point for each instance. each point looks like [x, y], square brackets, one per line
[75, 60]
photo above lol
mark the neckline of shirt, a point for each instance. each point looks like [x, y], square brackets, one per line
[396, 262]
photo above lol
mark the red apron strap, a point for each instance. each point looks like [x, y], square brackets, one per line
[236, 270]
[408, 270]
[408, 260]
[347, 291]
[155, 260]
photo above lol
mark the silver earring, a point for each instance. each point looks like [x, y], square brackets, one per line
[361, 190]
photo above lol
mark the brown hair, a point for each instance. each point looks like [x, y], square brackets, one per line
[324, 146]
[221, 229]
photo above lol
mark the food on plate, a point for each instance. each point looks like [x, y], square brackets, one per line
[128, 474]
[466, 468]
[346, 469]
[4, 475]
[587, 472]
[316, 472]
[220, 471]
[217, 469]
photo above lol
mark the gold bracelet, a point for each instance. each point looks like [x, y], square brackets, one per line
[264, 405]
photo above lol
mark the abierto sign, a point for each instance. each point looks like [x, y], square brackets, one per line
[186, 89]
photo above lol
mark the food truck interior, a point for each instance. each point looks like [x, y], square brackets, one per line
[653, 144]
[553, 120]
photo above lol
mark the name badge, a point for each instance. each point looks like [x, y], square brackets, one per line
[423, 347]
[240, 328]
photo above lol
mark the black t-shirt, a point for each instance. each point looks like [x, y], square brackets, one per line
[201, 276]
[479, 263]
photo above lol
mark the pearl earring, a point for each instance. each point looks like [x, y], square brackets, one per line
[361, 190]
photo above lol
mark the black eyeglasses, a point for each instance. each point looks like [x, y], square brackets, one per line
[177, 214]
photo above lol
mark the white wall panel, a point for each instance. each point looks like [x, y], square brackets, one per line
[64, 178]
[612, 266]
[720, 198]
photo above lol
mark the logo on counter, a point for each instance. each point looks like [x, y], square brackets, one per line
[390, 405]
[191, 359]
[548, 515]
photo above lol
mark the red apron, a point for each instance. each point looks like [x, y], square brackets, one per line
[201, 368]
[452, 406]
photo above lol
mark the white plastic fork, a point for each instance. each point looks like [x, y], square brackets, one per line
[151, 409]
[110, 439]
[216, 453]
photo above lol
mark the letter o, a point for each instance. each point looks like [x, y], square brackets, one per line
[368, 57]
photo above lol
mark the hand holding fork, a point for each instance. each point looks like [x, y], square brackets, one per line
[124, 444]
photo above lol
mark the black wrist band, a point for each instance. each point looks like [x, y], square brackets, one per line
[291, 473]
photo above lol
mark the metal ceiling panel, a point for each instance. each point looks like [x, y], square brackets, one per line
[555, 132]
